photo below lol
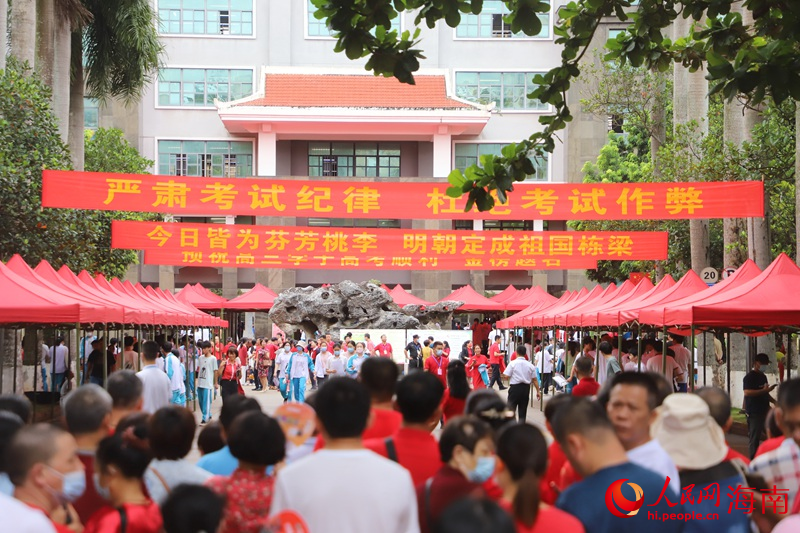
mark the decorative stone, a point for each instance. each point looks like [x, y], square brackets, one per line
[351, 305]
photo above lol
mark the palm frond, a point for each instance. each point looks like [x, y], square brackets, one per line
[74, 12]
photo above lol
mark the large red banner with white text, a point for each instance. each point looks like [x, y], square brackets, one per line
[221, 245]
[395, 199]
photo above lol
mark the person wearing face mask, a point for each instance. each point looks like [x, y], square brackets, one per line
[336, 363]
[281, 360]
[300, 364]
[121, 462]
[47, 474]
[437, 363]
[321, 362]
[355, 361]
[467, 451]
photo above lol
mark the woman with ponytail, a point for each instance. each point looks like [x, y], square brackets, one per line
[120, 463]
[522, 454]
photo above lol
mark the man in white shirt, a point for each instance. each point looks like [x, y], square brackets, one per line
[206, 380]
[521, 373]
[59, 354]
[46, 364]
[632, 409]
[157, 389]
[281, 360]
[312, 487]
[682, 356]
[25, 519]
[672, 369]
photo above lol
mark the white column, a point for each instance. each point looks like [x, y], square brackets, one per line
[267, 159]
[538, 225]
[442, 153]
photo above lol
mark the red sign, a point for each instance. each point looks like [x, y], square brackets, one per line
[182, 195]
[241, 246]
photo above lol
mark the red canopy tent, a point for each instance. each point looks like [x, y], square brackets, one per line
[610, 316]
[765, 302]
[26, 302]
[402, 297]
[655, 313]
[587, 315]
[517, 319]
[528, 297]
[259, 298]
[472, 300]
[152, 316]
[505, 294]
[90, 311]
[213, 321]
[597, 294]
[201, 298]
[547, 317]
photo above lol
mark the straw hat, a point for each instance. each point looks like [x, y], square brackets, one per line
[685, 429]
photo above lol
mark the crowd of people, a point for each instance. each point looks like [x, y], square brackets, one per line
[433, 449]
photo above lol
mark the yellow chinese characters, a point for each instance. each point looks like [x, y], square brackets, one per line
[267, 197]
[642, 201]
[441, 203]
[542, 200]
[222, 194]
[121, 186]
[415, 243]
[170, 193]
[361, 199]
[587, 202]
[160, 235]
[683, 199]
[313, 197]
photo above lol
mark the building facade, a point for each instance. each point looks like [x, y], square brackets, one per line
[254, 88]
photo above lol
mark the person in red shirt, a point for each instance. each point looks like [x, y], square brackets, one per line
[587, 386]
[437, 363]
[228, 346]
[87, 412]
[122, 460]
[549, 486]
[474, 365]
[218, 348]
[272, 350]
[258, 442]
[497, 359]
[384, 349]
[467, 450]
[522, 460]
[719, 405]
[379, 376]
[419, 397]
[455, 395]
[44, 466]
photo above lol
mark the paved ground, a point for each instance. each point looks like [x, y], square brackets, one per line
[270, 400]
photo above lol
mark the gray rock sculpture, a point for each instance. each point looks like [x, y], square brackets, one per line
[354, 306]
[433, 316]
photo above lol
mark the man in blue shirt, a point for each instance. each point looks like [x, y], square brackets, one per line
[222, 462]
[612, 486]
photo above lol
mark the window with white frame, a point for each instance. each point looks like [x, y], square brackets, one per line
[91, 114]
[468, 154]
[489, 24]
[217, 159]
[361, 159]
[319, 28]
[508, 90]
[354, 222]
[205, 17]
[197, 87]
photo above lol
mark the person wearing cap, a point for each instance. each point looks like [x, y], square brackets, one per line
[632, 402]
[757, 400]
[693, 439]
[300, 364]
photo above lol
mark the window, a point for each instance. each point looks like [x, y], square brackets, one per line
[206, 17]
[219, 159]
[361, 159]
[240, 220]
[468, 154]
[508, 90]
[490, 24]
[353, 222]
[197, 87]
[317, 28]
[91, 114]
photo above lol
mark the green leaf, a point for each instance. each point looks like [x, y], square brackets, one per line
[456, 178]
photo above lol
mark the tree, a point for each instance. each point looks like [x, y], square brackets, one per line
[108, 151]
[756, 61]
[22, 22]
[30, 143]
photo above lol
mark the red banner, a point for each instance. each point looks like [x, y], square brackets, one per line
[182, 195]
[241, 246]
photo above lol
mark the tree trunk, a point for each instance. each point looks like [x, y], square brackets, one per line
[760, 244]
[734, 132]
[797, 179]
[4, 30]
[690, 103]
[61, 76]
[23, 30]
[45, 46]
[659, 133]
[76, 126]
